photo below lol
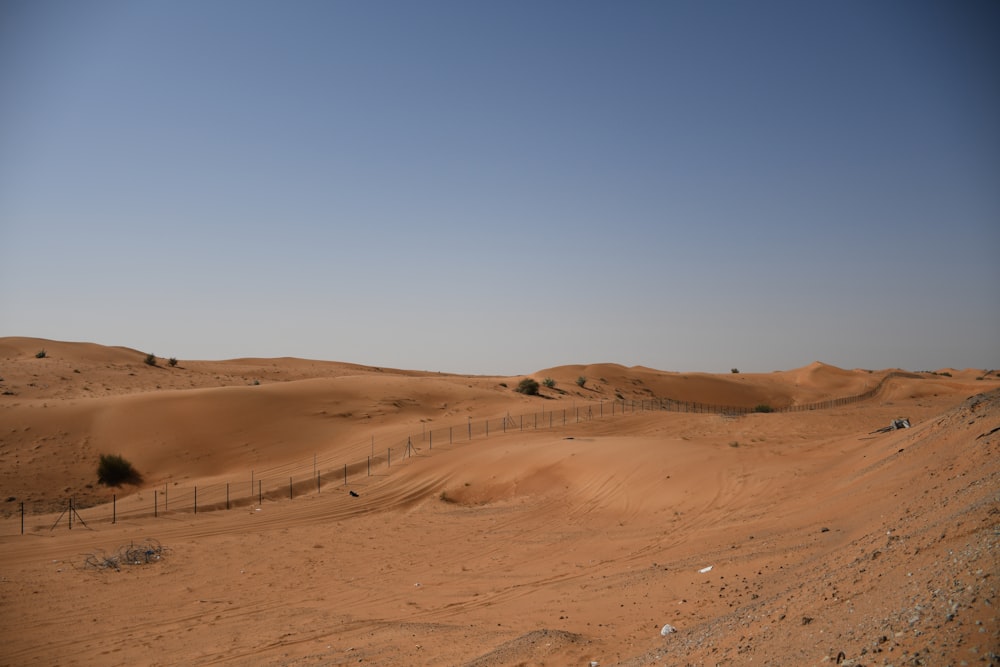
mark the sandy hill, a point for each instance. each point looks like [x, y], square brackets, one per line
[201, 419]
[494, 528]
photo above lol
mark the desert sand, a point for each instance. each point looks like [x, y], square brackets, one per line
[584, 521]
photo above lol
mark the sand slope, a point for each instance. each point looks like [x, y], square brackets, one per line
[556, 545]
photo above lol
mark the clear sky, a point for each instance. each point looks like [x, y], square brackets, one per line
[500, 187]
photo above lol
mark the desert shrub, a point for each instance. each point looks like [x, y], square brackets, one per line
[549, 382]
[763, 407]
[114, 470]
[150, 359]
[41, 354]
[172, 361]
[736, 370]
[528, 386]
[580, 381]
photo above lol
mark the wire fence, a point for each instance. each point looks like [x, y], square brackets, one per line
[294, 479]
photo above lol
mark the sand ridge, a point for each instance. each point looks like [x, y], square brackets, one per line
[553, 546]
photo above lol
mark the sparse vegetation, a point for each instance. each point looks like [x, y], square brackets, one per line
[41, 354]
[528, 386]
[549, 382]
[736, 370]
[763, 407]
[144, 553]
[580, 381]
[114, 470]
[150, 359]
[172, 361]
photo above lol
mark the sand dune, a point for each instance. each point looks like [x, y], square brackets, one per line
[562, 543]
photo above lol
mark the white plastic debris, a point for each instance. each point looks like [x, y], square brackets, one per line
[705, 569]
[667, 629]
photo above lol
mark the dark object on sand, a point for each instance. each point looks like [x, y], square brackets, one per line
[896, 424]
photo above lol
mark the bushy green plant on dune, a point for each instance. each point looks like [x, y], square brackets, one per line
[115, 470]
[528, 386]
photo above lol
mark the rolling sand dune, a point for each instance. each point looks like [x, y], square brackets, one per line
[783, 538]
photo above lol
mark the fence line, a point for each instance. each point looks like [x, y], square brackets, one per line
[294, 479]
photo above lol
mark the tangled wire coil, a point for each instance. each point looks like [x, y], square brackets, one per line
[146, 552]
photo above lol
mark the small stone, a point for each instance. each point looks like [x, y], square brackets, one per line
[667, 629]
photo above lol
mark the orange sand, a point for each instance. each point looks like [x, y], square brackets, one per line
[541, 546]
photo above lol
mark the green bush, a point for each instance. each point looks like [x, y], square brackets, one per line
[528, 386]
[40, 354]
[150, 359]
[736, 370]
[763, 407]
[113, 470]
[172, 361]
[580, 381]
[549, 382]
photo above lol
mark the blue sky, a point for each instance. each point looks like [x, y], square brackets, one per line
[500, 187]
